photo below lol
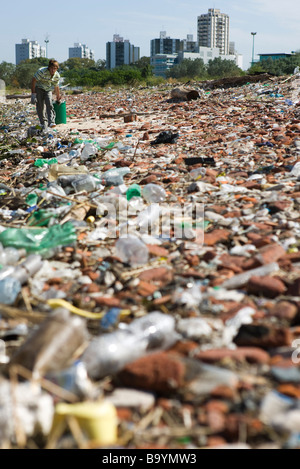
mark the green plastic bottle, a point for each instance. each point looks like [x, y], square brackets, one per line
[133, 191]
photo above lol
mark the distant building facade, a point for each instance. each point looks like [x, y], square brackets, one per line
[167, 52]
[164, 53]
[189, 45]
[120, 52]
[161, 63]
[81, 51]
[29, 50]
[213, 30]
[275, 56]
[165, 45]
[207, 54]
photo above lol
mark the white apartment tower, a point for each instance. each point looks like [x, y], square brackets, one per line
[81, 51]
[29, 50]
[213, 30]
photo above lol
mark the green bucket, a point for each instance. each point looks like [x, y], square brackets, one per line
[60, 112]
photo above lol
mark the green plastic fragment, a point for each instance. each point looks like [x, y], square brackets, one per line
[39, 239]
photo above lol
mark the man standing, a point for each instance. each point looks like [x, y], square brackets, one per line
[45, 80]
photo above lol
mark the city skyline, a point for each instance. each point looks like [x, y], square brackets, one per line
[94, 24]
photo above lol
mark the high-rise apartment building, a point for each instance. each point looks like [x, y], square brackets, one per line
[189, 45]
[81, 51]
[29, 50]
[120, 52]
[165, 45]
[213, 30]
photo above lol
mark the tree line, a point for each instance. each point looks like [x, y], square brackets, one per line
[90, 74]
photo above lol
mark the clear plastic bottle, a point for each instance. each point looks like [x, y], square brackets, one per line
[148, 219]
[114, 177]
[198, 173]
[109, 353]
[24, 270]
[63, 158]
[153, 193]
[10, 256]
[52, 346]
[132, 250]
[10, 287]
[88, 150]
[240, 280]
[85, 183]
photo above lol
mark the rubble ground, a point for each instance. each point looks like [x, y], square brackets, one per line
[214, 234]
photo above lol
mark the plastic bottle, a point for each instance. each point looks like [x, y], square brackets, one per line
[109, 353]
[10, 256]
[32, 199]
[13, 277]
[153, 193]
[133, 191]
[29, 267]
[147, 220]
[88, 150]
[74, 153]
[296, 170]
[132, 250]
[198, 173]
[73, 379]
[63, 158]
[66, 180]
[10, 287]
[41, 218]
[85, 183]
[52, 346]
[114, 177]
[241, 279]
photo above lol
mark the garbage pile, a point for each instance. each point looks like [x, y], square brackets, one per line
[150, 270]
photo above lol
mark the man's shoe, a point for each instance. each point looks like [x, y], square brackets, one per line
[52, 126]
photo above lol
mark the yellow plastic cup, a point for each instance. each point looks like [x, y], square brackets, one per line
[97, 420]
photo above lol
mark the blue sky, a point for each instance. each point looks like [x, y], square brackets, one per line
[94, 22]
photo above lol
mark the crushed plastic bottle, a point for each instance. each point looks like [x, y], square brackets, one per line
[88, 150]
[296, 170]
[132, 250]
[133, 191]
[241, 279]
[10, 287]
[198, 173]
[32, 199]
[42, 217]
[109, 353]
[154, 193]
[51, 347]
[73, 379]
[148, 219]
[85, 183]
[114, 177]
[10, 255]
[30, 266]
